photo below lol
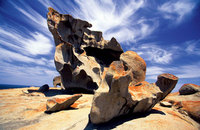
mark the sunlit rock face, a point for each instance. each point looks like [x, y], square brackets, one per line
[57, 81]
[125, 97]
[187, 101]
[81, 54]
[86, 61]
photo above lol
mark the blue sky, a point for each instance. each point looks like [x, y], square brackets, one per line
[165, 33]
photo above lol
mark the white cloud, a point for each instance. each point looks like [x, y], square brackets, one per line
[11, 56]
[193, 47]
[154, 53]
[116, 19]
[105, 15]
[188, 71]
[182, 71]
[37, 44]
[176, 10]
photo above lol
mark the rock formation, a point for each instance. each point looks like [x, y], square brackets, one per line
[26, 112]
[57, 104]
[85, 60]
[123, 98]
[81, 54]
[57, 81]
[188, 89]
[187, 101]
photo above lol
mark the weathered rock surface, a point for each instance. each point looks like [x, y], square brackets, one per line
[57, 104]
[188, 89]
[57, 81]
[166, 83]
[85, 60]
[124, 96]
[27, 112]
[81, 54]
[136, 64]
[188, 104]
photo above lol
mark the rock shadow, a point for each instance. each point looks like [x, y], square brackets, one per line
[54, 92]
[69, 108]
[120, 120]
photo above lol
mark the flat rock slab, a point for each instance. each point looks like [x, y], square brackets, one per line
[27, 112]
[57, 104]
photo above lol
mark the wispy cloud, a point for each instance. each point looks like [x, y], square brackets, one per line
[181, 71]
[116, 18]
[177, 10]
[35, 44]
[11, 56]
[32, 17]
[105, 15]
[154, 53]
[193, 47]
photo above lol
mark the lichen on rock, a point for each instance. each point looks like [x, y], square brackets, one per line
[81, 54]
[85, 60]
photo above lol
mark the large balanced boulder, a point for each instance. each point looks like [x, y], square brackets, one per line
[123, 96]
[81, 54]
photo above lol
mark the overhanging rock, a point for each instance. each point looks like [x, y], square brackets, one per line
[81, 54]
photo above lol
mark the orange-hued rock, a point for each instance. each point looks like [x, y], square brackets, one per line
[136, 64]
[166, 82]
[24, 112]
[123, 96]
[187, 89]
[81, 54]
[192, 108]
[57, 104]
[186, 104]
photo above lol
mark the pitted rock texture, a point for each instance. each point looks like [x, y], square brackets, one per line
[85, 60]
[123, 96]
[81, 54]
